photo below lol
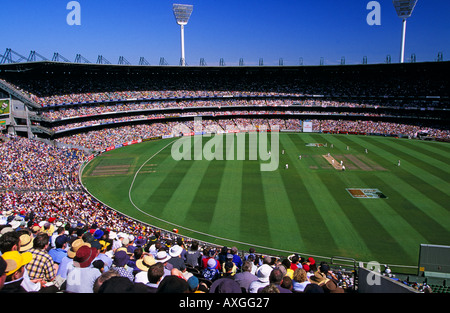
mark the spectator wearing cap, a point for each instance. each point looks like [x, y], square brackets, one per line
[42, 265]
[246, 277]
[229, 261]
[14, 270]
[194, 283]
[211, 272]
[120, 262]
[144, 264]
[263, 274]
[175, 257]
[81, 275]
[59, 252]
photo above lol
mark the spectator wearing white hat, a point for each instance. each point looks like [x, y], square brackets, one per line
[175, 254]
[263, 274]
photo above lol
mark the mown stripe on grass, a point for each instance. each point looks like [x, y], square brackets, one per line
[307, 217]
[253, 220]
[372, 218]
[201, 209]
[434, 187]
[282, 221]
[433, 201]
[177, 207]
[226, 216]
[399, 199]
[151, 192]
[346, 237]
[433, 166]
[428, 150]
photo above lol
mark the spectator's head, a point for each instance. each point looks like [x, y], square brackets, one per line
[299, 275]
[41, 241]
[60, 241]
[84, 256]
[121, 258]
[247, 266]
[263, 273]
[276, 276]
[15, 264]
[9, 241]
[76, 244]
[145, 262]
[173, 284]
[155, 273]
[26, 242]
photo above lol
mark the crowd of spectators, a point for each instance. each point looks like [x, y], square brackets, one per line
[54, 237]
[374, 127]
[42, 254]
[53, 231]
[33, 165]
[101, 139]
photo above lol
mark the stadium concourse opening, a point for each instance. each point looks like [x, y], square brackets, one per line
[112, 118]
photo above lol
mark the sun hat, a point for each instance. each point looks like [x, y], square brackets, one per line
[175, 251]
[144, 263]
[212, 263]
[84, 256]
[15, 260]
[76, 244]
[162, 257]
[26, 242]
[263, 273]
[121, 258]
[318, 278]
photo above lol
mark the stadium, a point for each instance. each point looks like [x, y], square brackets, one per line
[361, 174]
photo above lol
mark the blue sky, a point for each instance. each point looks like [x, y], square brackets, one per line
[232, 29]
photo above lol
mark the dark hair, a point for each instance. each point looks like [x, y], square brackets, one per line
[194, 246]
[155, 272]
[173, 284]
[276, 276]
[9, 240]
[40, 241]
[138, 253]
[286, 263]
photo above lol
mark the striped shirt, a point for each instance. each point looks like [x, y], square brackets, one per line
[41, 266]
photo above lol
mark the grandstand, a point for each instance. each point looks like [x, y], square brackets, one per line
[64, 114]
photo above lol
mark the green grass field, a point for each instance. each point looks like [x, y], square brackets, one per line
[305, 208]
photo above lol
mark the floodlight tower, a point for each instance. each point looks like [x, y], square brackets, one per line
[404, 10]
[182, 13]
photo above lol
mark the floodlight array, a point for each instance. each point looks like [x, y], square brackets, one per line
[404, 8]
[182, 13]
